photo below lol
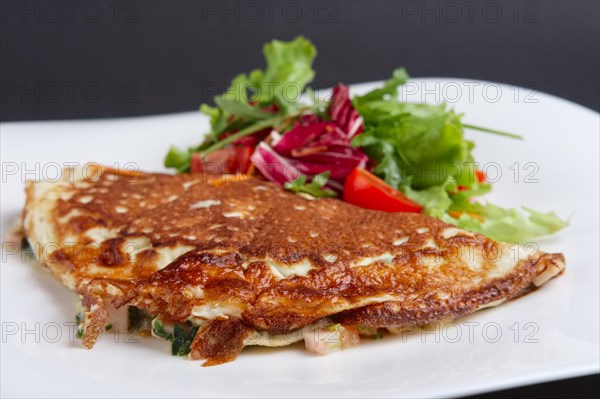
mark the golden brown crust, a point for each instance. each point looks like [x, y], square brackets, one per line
[418, 313]
[249, 252]
[221, 341]
[282, 306]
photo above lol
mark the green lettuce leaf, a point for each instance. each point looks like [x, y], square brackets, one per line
[421, 150]
[423, 144]
[508, 224]
[178, 159]
[502, 224]
[288, 71]
[435, 200]
[390, 88]
[242, 107]
[418, 141]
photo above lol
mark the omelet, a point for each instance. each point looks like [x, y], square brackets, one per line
[217, 263]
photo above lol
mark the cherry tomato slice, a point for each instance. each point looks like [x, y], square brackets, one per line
[243, 155]
[366, 190]
[226, 160]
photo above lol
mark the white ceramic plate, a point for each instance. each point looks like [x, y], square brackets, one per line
[552, 333]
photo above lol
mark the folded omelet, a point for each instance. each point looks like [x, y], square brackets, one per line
[216, 264]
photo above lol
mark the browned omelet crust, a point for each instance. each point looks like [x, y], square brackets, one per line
[261, 258]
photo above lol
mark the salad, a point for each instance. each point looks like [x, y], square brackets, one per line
[371, 150]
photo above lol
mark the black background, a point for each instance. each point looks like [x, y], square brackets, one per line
[64, 59]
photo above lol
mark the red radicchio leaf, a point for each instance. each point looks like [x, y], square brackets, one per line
[340, 161]
[273, 166]
[308, 119]
[314, 146]
[343, 114]
[299, 137]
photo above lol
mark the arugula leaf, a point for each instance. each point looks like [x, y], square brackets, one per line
[493, 131]
[421, 150]
[420, 142]
[275, 121]
[181, 160]
[314, 188]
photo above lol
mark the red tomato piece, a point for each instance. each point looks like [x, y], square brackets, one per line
[225, 160]
[366, 190]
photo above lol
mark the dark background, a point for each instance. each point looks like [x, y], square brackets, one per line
[66, 59]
